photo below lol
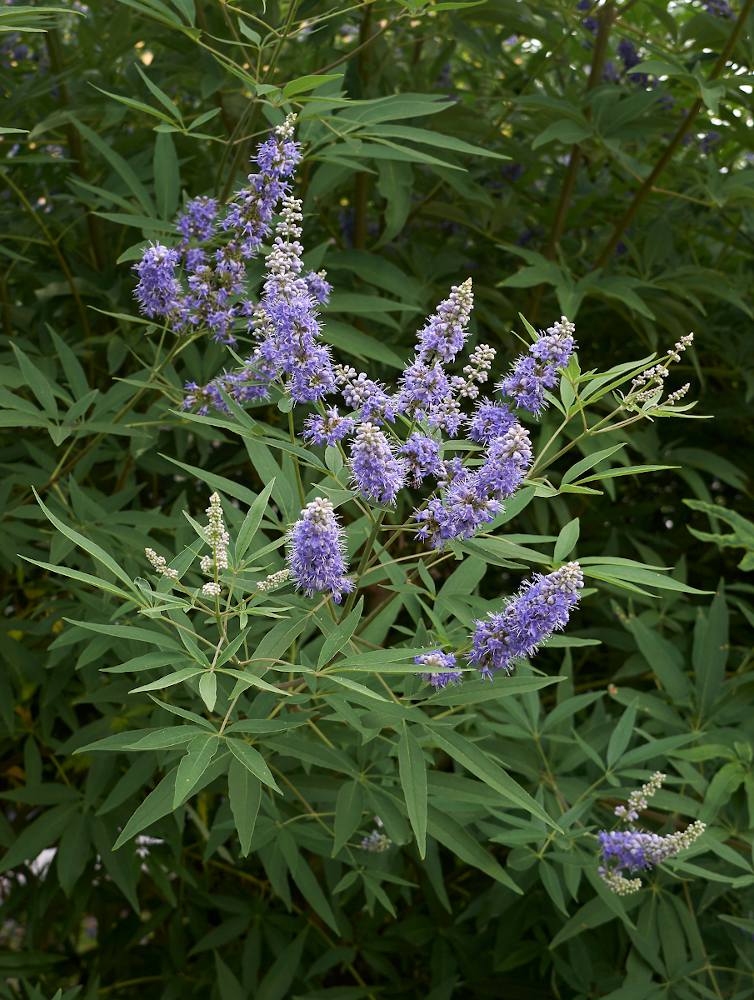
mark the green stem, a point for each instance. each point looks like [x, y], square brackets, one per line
[367, 551]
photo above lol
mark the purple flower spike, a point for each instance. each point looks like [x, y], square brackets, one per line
[537, 371]
[316, 553]
[440, 670]
[328, 429]
[542, 606]
[158, 291]
[489, 421]
[507, 460]
[197, 221]
[445, 332]
[422, 455]
[250, 212]
[377, 473]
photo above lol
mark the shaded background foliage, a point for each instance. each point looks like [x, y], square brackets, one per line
[577, 158]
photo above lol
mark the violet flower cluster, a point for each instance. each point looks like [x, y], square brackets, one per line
[440, 668]
[542, 606]
[201, 283]
[398, 435]
[625, 852]
[393, 437]
[316, 554]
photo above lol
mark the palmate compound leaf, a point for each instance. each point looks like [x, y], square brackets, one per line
[253, 761]
[474, 759]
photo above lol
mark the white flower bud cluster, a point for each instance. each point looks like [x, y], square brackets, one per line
[638, 800]
[619, 884]
[288, 128]
[683, 344]
[212, 589]
[159, 564]
[344, 374]
[476, 372]
[678, 394]
[677, 842]
[653, 379]
[217, 538]
[273, 580]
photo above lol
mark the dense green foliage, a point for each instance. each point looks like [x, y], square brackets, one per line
[505, 140]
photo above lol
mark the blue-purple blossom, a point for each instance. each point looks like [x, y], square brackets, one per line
[422, 456]
[427, 393]
[214, 296]
[636, 850]
[251, 209]
[445, 331]
[542, 606]
[319, 287]
[440, 668]
[632, 850]
[457, 514]
[718, 8]
[376, 472]
[506, 462]
[197, 221]
[628, 54]
[286, 321]
[590, 23]
[533, 373]
[214, 287]
[369, 398]
[158, 290]
[471, 499]
[327, 429]
[489, 420]
[241, 386]
[316, 552]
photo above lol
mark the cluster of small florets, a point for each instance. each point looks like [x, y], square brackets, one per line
[217, 538]
[213, 564]
[288, 351]
[633, 850]
[650, 384]
[327, 428]
[542, 606]
[316, 552]
[201, 284]
[159, 564]
[637, 800]
[274, 580]
[377, 473]
[440, 668]
[533, 373]
[377, 841]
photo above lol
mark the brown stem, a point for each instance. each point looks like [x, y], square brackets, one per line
[682, 130]
[359, 50]
[605, 20]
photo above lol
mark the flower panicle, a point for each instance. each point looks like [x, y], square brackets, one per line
[542, 606]
[316, 552]
[637, 800]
